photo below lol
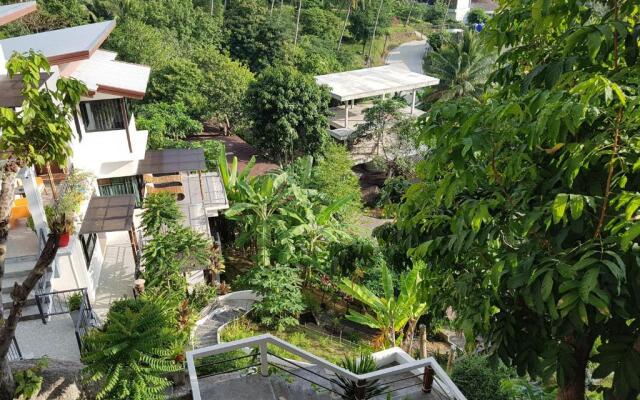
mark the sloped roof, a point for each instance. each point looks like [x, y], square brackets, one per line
[101, 73]
[62, 45]
[11, 12]
[370, 82]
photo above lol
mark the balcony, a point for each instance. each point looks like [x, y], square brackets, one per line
[108, 134]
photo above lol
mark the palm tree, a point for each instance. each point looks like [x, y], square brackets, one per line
[390, 314]
[462, 66]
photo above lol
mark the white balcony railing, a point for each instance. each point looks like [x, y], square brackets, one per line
[427, 370]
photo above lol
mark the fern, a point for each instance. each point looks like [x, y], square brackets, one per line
[134, 351]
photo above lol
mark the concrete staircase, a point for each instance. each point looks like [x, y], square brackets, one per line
[16, 270]
[206, 332]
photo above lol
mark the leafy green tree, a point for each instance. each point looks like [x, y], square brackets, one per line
[363, 23]
[166, 121]
[378, 121]
[134, 351]
[252, 37]
[35, 134]
[181, 81]
[321, 23]
[137, 42]
[225, 85]
[391, 313]
[280, 289]
[289, 112]
[50, 15]
[462, 66]
[334, 179]
[527, 209]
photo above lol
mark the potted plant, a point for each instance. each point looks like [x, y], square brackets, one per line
[74, 302]
[59, 222]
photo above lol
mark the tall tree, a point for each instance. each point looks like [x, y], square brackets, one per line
[35, 134]
[527, 207]
[289, 112]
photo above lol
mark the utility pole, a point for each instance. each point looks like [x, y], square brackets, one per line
[373, 37]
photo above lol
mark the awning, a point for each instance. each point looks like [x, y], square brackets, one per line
[102, 74]
[63, 45]
[109, 214]
[171, 161]
[370, 82]
[11, 12]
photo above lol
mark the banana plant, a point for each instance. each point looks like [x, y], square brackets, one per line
[230, 176]
[388, 313]
[258, 206]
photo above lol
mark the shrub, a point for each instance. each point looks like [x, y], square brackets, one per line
[362, 365]
[281, 301]
[134, 351]
[166, 123]
[477, 379]
[74, 302]
[202, 295]
[29, 381]
[438, 39]
[333, 177]
[477, 16]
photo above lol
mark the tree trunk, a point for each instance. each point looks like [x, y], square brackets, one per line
[574, 385]
[20, 293]
[7, 384]
[295, 40]
[409, 333]
[375, 28]
[344, 27]
[9, 173]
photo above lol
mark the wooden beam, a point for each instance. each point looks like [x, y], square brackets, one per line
[125, 118]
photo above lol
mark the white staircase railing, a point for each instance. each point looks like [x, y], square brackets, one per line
[429, 370]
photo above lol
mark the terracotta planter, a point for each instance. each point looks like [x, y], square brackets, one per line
[63, 241]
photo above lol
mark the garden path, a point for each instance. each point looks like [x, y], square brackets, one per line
[222, 312]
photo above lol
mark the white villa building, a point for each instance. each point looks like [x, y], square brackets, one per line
[102, 258]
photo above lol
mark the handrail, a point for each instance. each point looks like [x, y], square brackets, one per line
[263, 340]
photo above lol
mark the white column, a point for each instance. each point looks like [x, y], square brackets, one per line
[413, 101]
[461, 10]
[36, 205]
[346, 114]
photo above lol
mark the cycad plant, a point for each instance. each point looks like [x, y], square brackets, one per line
[134, 351]
[362, 365]
[462, 65]
[389, 313]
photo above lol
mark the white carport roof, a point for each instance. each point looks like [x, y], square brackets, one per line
[62, 45]
[11, 12]
[101, 73]
[370, 82]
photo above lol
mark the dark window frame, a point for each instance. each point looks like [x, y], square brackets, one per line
[116, 121]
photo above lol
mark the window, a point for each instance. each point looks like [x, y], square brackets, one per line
[102, 115]
[120, 186]
[88, 246]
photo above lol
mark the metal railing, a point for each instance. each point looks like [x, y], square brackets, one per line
[87, 321]
[425, 373]
[14, 353]
[56, 303]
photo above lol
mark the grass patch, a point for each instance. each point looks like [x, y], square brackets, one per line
[329, 348]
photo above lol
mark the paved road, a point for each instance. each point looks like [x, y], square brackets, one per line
[410, 54]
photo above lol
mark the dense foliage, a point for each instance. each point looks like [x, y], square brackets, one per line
[527, 207]
[132, 354]
[289, 114]
[477, 379]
